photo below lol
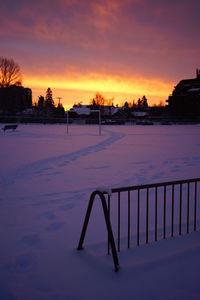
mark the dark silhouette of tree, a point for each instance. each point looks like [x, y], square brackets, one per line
[46, 107]
[139, 103]
[10, 73]
[79, 104]
[60, 111]
[94, 104]
[126, 106]
[49, 103]
[144, 102]
[100, 100]
[41, 102]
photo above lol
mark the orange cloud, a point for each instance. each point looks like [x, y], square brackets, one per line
[78, 86]
[104, 15]
[121, 48]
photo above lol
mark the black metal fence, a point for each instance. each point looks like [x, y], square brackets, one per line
[149, 212]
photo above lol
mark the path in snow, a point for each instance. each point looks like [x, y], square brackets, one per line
[40, 167]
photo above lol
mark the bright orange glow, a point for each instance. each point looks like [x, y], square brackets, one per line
[120, 48]
[78, 87]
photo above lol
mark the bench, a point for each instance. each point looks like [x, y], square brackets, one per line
[10, 127]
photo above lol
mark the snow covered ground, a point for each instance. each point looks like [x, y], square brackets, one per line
[46, 178]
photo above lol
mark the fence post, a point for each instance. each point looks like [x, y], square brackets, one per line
[108, 226]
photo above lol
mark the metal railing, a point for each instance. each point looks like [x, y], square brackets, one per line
[172, 194]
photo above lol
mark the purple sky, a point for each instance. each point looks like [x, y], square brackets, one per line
[121, 48]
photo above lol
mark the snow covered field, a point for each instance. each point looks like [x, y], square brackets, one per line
[46, 178]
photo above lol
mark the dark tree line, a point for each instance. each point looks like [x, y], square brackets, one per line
[99, 100]
[46, 105]
[141, 104]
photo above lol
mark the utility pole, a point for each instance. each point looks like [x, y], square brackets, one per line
[59, 100]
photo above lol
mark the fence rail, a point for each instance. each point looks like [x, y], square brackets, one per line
[172, 192]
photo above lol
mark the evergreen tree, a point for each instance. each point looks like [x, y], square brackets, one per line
[60, 111]
[41, 102]
[94, 104]
[144, 102]
[49, 103]
[139, 103]
[126, 106]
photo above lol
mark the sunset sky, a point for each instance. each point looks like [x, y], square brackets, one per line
[121, 48]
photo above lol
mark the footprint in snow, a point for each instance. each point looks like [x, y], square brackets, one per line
[55, 226]
[49, 215]
[22, 264]
[31, 240]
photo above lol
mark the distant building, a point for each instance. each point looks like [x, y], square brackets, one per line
[80, 110]
[15, 98]
[185, 99]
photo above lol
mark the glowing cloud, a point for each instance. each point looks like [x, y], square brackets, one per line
[121, 48]
[131, 87]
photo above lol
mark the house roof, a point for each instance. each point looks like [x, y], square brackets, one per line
[82, 110]
[187, 86]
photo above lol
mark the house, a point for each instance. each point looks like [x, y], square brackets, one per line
[80, 110]
[185, 99]
[15, 98]
[79, 113]
[116, 116]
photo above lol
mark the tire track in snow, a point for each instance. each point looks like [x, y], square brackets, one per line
[41, 166]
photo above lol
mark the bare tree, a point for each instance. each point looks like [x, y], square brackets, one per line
[100, 100]
[9, 72]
